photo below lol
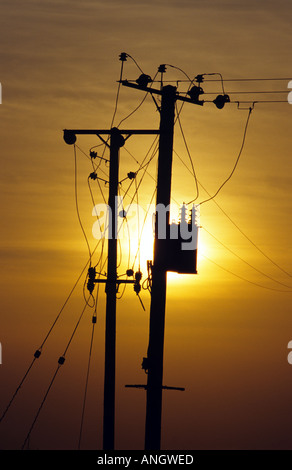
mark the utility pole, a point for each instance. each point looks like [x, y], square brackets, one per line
[159, 276]
[154, 360]
[116, 142]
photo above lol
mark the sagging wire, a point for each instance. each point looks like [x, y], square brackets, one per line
[61, 361]
[38, 352]
[94, 321]
[189, 154]
[235, 165]
[246, 280]
[235, 225]
[77, 205]
[143, 225]
[246, 262]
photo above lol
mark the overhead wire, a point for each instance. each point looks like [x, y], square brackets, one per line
[189, 155]
[244, 261]
[94, 320]
[60, 363]
[77, 205]
[235, 165]
[86, 381]
[244, 279]
[40, 349]
[235, 225]
[232, 79]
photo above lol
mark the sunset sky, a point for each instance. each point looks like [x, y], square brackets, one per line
[228, 327]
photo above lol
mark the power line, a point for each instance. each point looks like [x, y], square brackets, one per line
[236, 162]
[189, 154]
[94, 319]
[60, 363]
[38, 352]
[76, 203]
[246, 262]
[40, 407]
[236, 225]
[118, 93]
[228, 79]
[246, 280]
[250, 241]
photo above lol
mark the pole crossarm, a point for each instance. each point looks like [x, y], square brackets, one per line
[159, 92]
[74, 132]
[118, 281]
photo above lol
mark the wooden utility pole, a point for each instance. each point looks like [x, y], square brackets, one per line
[159, 276]
[116, 142]
[154, 360]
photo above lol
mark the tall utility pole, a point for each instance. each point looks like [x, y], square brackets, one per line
[154, 386]
[159, 276]
[116, 142]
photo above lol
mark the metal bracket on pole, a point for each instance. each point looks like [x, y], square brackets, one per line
[164, 387]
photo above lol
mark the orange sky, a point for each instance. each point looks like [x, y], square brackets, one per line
[226, 337]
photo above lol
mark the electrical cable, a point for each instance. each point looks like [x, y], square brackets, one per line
[221, 79]
[189, 155]
[118, 94]
[40, 408]
[138, 221]
[246, 280]
[235, 225]
[236, 162]
[76, 203]
[251, 242]
[139, 105]
[134, 110]
[246, 262]
[232, 79]
[143, 225]
[135, 62]
[94, 319]
[86, 382]
[39, 350]
[60, 362]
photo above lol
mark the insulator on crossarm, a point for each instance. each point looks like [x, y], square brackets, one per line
[93, 175]
[93, 154]
[131, 175]
[91, 279]
[144, 80]
[137, 285]
[123, 56]
[195, 92]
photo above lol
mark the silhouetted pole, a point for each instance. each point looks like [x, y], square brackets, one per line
[159, 279]
[116, 142]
